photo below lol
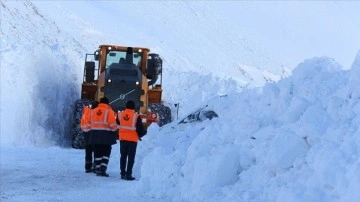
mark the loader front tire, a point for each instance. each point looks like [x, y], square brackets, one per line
[78, 141]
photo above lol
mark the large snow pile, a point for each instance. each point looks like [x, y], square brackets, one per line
[297, 139]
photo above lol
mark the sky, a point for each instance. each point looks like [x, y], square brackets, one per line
[282, 77]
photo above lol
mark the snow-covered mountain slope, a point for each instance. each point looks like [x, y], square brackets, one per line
[43, 46]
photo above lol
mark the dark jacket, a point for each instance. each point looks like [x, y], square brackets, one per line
[102, 137]
[140, 130]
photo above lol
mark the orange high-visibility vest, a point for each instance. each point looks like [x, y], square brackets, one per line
[85, 119]
[127, 119]
[103, 118]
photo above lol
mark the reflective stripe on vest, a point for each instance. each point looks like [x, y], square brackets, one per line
[99, 119]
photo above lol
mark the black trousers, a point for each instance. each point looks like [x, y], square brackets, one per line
[89, 157]
[89, 151]
[102, 154]
[127, 159]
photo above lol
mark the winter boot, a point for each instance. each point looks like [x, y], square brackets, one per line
[93, 169]
[96, 170]
[129, 178]
[90, 169]
[102, 174]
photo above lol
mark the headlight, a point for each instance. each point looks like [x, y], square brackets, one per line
[109, 80]
[137, 83]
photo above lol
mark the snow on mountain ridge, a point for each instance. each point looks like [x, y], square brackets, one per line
[53, 37]
[206, 50]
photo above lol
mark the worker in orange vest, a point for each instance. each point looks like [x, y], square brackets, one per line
[102, 135]
[131, 130]
[85, 127]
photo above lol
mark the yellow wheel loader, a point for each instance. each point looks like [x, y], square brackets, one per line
[122, 73]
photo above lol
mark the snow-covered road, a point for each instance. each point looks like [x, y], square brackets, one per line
[57, 174]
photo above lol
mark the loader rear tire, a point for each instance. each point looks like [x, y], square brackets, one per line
[78, 141]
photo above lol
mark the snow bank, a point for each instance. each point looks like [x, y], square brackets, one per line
[283, 140]
[41, 70]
